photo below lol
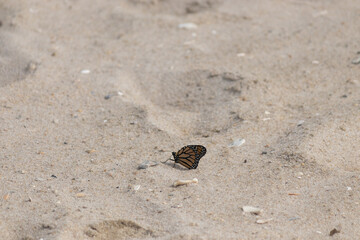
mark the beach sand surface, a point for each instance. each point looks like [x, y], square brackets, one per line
[89, 90]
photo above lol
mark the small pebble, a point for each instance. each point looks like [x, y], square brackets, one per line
[90, 151]
[299, 175]
[189, 42]
[6, 196]
[262, 221]
[335, 230]
[85, 71]
[31, 67]
[315, 62]
[301, 122]
[80, 195]
[252, 210]
[349, 188]
[112, 94]
[321, 13]
[267, 113]
[177, 206]
[293, 194]
[137, 187]
[241, 54]
[237, 143]
[187, 26]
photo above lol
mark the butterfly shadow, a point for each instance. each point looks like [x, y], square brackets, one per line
[174, 165]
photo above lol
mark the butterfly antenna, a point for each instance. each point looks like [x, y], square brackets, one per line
[163, 151]
[168, 160]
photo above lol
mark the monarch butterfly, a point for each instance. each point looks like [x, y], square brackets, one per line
[189, 156]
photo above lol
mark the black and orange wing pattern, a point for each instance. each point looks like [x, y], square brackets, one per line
[189, 156]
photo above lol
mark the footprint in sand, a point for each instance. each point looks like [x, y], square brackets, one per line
[197, 103]
[118, 229]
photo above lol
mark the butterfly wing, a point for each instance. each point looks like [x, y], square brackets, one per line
[189, 156]
[186, 157]
[200, 151]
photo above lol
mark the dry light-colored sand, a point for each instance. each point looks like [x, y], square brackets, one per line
[281, 74]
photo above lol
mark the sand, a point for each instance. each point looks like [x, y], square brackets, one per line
[89, 90]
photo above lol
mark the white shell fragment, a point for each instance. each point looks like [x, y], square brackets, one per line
[137, 187]
[321, 13]
[356, 60]
[299, 175]
[262, 221]
[252, 210]
[147, 164]
[187, 26]
[301, 122]
[237, 143]
[184, 182]
[85, 71]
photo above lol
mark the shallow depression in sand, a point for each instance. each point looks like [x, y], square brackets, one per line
[120, 229]
[336, 145]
